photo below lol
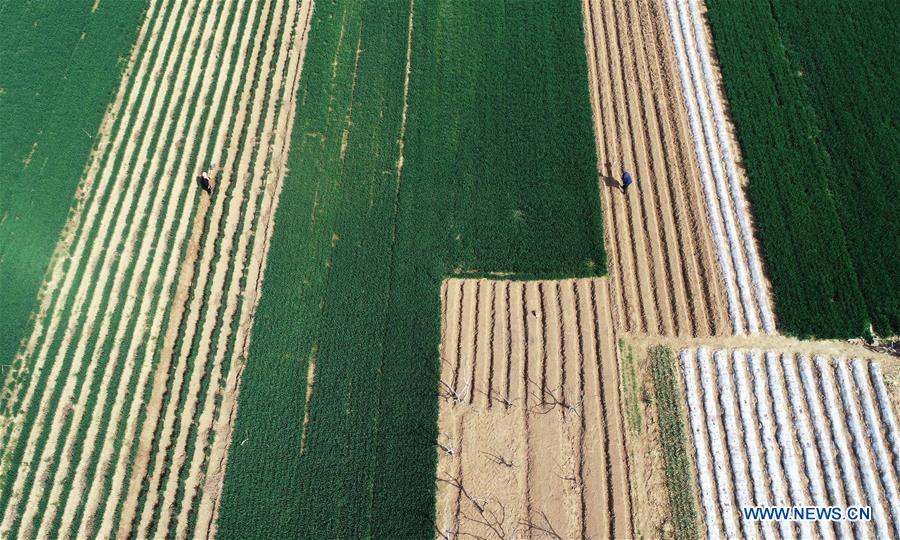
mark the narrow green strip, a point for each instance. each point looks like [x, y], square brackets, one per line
[679, 476]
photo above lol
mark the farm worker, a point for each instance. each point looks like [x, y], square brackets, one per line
[626, 181]
[204, 182]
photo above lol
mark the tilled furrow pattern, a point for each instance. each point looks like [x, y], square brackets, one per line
[789, 430]
[664, 275]
[682, 254]
[529, 397]
[747, 289]
[123, 395]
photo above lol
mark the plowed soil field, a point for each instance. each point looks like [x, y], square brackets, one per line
[530, 424]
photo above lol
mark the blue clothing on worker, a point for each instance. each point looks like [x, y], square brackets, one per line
[626, 180]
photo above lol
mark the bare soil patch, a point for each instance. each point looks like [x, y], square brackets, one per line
[530, 437]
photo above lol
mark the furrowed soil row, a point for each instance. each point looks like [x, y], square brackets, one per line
[149, 236]
[126, 325]
[79, 352]
[547, 454]
[656, 288]
[239, 230]
[636, 153]
[621, 155]
[822, 422]
[676, 310]
[172, 368]
[221, 341]
[618, 248]
[198, 232]
[176, 397]
[138, 337]
[682, 172]
[163, 313]
[748, 296]
[220, 437]
[195, 119]
[88, 285]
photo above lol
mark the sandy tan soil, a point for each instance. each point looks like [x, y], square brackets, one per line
[663, 270]
[132, 302]
[664, 280]
[534, 438]
[530, 427]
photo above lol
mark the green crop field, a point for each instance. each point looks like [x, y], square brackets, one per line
[813, 94]
[54, 58]
[481, 162]
[676, 454]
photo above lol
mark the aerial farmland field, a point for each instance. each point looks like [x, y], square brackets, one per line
[449, 269]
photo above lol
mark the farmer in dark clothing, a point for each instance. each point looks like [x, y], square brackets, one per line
[203, 181]
[626, 181]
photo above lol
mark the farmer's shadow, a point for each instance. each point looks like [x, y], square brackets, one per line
[608, 178]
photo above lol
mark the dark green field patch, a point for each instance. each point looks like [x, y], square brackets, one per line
[813, 93]
[500, 142]
[60, 64]
[498, 175]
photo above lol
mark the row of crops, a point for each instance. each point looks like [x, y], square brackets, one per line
[325, 295]
[118, 409]
[393, 184]
[813, 96]
[748, 300]
[789, 430]
[54, 59]
[679, 474]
